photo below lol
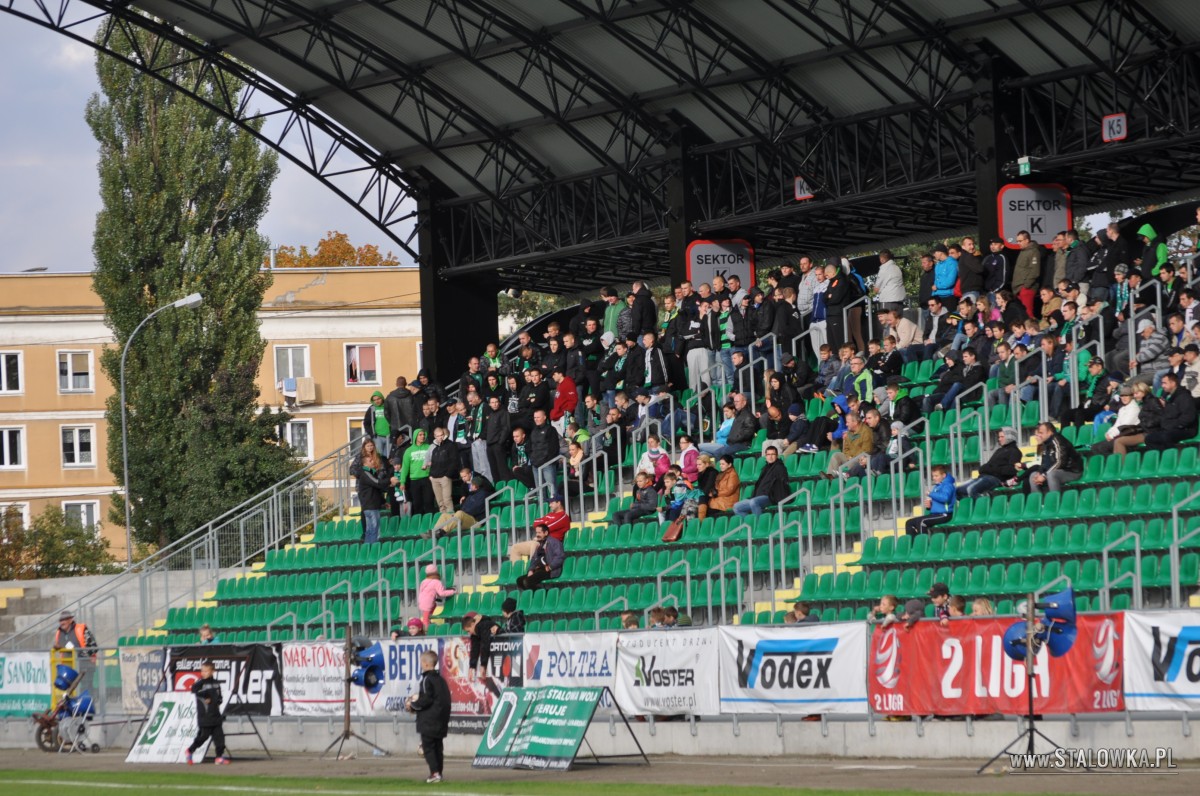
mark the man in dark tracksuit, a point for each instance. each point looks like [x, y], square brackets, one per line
[431, 703]
[208, 715]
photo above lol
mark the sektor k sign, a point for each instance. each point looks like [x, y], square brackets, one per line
[724, 258]
[1043, 210]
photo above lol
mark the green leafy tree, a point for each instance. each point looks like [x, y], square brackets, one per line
[57, 547]
[13, 552]
[183, 192]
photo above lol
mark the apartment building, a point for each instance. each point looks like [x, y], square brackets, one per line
[333, 336]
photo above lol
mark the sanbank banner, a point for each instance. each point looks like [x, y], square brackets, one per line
[166, 735]
[24, 683]
[961, 669]
[667, 672]
[1162, 660]
[141, 678]
[798, 669]
[572, 660]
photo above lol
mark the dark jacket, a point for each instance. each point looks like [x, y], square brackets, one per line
[372, 486]
[497, 428]
[1058, 454]
[400, 409]
[1179, 412]
[1002, 463]
[745, 426]
[637, 368]
[475, 503]
[549, 553]
[996, 273]
[208, 702]
[481, 642]
[432, 705]
[1078, 258]
[444, 461]
[645, 319]
[773, 482]
[543, 444]
[970, 273]
[743, 327]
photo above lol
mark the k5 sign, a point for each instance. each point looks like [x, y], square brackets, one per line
[962, 669]
[1162, 660]
[793, 669]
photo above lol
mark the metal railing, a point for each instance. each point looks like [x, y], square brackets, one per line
[866, 299]
[1177, 543]
[687, 584]
[808, 523]
[186, 569]
[279, 619]
[719, 568]
[622, 600]
[1136, 574]
[837, 515]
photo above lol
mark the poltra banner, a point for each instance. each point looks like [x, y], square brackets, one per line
[573, 660]
[141, 677]
[961, 669]
[668, 672]
[24, 683]
[793, 669]
[165, 737]
[1162, 660]
[537, 728]
[473, 697]
[250, 676]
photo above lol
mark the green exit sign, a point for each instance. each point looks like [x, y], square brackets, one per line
[1024, 167]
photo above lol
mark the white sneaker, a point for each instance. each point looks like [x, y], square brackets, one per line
[435, 778]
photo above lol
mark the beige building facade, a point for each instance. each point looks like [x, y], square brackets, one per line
[333, 337]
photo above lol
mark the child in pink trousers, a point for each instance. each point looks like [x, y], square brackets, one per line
[429, 591]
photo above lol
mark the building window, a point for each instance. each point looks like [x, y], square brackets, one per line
[420, 356]
[10, 372]
[298, 436]
[356, 432]
[22, 513]
[77, 446]
[291, 362]
[12, 448]
[74, 371]
[362, 363]
[84, 512]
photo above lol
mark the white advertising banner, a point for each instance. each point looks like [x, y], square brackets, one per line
[141, 678]
[667, 672]
[800, 669]
[1162, 660]
[313, 676]
[24, 683]
[575, 660]
[170, 730]
[401, 676]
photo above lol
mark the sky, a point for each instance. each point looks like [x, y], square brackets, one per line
[49, 189]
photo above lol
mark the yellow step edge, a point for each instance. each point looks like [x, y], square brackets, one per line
[487, 589]
[11, 593]
[250, 575]
[206, 604]
[1194, 601]
[307, 538]
[157, 633]
[488, 580]
[160, 623]
[258, 566]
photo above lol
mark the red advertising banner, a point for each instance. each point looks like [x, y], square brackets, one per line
[961, 669]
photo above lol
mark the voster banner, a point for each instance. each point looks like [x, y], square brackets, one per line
[1162, 660]
[169, 731]
[961, 669]
[574, 660]
[799, 669]
[668, 672]
[141, 678]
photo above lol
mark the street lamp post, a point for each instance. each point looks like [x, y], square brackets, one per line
[189, 301]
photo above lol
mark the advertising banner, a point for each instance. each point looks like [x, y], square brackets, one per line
[313, 676]
[1162, 660]
[574, 660]
[170, 730]
[961, 669]
[472, 696]
[24, 683]
[251, 681]
[401, 676]
[667, 672]
[141, 678]
[537, 728]
[797, 669]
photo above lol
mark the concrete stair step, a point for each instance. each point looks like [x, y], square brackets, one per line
[14, 593]
[1194, 601]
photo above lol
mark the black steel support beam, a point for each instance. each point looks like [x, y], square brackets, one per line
[681, 204]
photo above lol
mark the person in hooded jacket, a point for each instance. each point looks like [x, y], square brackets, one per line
[1000, 468]
[1155, 252]
[432, 705]
[377, 424]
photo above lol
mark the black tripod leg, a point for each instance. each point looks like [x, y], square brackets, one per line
[1026, 735]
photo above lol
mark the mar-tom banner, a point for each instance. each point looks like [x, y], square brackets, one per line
[961, 669]
[801, 669]
[668, 672]
[473, 697]
[141, 678]
[1162, 660]
[573, 660]
[250, 677]
[24, 683]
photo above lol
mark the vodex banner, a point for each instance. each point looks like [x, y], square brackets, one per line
[250, 678]
[961, 669]
[141, 678]
[668, 672]
[1162, 660]
[799, 669]
[573, 660]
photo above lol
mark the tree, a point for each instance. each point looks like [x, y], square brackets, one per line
[13, 552]
[183, 192]
[530, 305]
[334, 251]
[58, 547]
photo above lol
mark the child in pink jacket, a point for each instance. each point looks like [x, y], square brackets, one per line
[429, 591]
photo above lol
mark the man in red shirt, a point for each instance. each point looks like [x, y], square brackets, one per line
[557, 523]
[566, 398]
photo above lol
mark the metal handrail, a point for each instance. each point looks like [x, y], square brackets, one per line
[668, 440]
[385, 605]
[720, 565]
[280, 618]
[399, 551]
[1176, 543]
[808, 520]
[839, 513]
[896, 471]
[866, 298]
[752, 351]
[349, 599]
[781, 533]
[926, 475]
[539, 483]
[806, 333]
[687, 582]
[599, 477]
[1131, 335]
[596, 614]
[749, 544]
[616, 429]
[1106, 589]
[324, 627]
